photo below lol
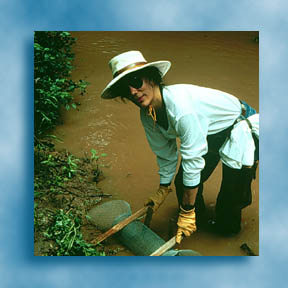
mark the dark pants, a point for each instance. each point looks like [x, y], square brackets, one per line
[235, 192]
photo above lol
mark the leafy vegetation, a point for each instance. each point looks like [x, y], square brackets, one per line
[65, 231]
[65, 187]
[53, 86]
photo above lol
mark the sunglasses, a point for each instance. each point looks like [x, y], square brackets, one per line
[134, 81]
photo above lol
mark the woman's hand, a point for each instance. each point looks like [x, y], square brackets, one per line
[186, 224]
[187, 218]
[158, 198]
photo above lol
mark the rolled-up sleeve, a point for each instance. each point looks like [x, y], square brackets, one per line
[192, 132]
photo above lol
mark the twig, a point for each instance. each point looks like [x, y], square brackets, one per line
[84, 196]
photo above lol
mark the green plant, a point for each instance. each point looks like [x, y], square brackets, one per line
[53, 86]
[52, 170]
[95, 155]
[50, 161]
[65, 231]
[70, 167]
[96, 171]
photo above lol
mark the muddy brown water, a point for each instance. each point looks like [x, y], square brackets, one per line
[223, 60]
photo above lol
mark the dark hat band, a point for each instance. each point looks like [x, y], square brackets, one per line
[129, 67]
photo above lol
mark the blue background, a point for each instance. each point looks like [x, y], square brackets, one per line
[18, 268]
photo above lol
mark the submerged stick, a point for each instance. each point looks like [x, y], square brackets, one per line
[116, 228]
[247, 249]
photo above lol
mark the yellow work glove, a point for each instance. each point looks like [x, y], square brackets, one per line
[158, 198]
[186, 223]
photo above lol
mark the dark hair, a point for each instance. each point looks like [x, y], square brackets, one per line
[151, 73]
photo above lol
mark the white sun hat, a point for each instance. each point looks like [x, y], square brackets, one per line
[129, 62]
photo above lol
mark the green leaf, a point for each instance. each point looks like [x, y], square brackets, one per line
[88, 217]
[37, 46]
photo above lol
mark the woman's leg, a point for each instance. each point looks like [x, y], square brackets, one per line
[235, 194]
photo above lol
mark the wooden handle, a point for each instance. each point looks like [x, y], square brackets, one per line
[148, 217]
[119, 226]
[165, 247]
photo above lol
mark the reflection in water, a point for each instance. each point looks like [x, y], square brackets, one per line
[223, 60]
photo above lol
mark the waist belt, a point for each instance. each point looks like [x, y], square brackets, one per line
[243, 117]
[243, 109]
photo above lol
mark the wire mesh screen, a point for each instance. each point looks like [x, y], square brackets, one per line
[136, 236]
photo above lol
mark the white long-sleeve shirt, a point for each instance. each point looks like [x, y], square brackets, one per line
[193, 112]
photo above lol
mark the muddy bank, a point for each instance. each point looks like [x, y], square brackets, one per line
[66, 188]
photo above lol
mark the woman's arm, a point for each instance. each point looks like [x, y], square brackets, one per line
[165, 150]
[192, 132]
[189, 197]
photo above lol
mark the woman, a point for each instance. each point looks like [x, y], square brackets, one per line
[206, 122]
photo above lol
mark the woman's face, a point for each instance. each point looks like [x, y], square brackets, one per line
[138, 89]
[142, 96]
